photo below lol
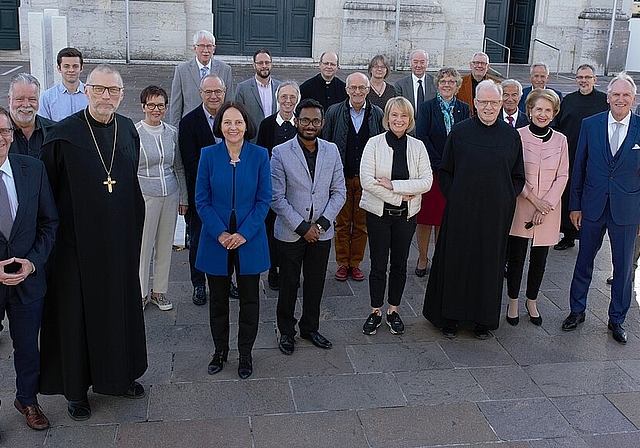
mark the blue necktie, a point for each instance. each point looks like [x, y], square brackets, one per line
[6, 218]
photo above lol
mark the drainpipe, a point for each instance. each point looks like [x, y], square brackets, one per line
[127, 31]
[613, 22]
[397, 36]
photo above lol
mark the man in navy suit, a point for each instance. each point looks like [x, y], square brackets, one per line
[510, 113]
[28, 223]
[605, 196]
[539, 75]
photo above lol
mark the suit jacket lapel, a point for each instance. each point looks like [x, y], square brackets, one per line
[297, 150]
[256, 95]
[320, 159]
[630, 139]
[195, 72]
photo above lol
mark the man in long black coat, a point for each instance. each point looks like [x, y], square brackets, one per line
[481, 173]
[93, 327]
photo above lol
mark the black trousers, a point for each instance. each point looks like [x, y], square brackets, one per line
[312, 258]
[249, 290]
[195, 227]
[389, 237]
[515, 268]
[269, 222]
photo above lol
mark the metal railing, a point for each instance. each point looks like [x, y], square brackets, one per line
[484, 48]
[553, 48]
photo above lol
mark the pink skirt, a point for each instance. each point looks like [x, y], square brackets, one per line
[433, 203]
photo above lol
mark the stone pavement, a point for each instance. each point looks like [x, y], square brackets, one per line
[526, 386]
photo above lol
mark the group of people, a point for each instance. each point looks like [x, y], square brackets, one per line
[267, 175]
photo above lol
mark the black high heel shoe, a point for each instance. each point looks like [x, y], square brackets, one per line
[512, 320]
[245, 366]
[216, 364]
[534, 320]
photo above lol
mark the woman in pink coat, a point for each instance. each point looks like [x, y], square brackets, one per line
[537, 215]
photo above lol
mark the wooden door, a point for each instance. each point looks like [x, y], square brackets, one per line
[9, 25]
[519, 31]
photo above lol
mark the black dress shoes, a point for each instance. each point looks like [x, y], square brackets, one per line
[233, 292]
[618, 332]
[217, 362]
[572, 321]
[79, 410]
[136, 390]
[450, 331]
[199, 295]
[245, 366]
[609, 280]
[481, 333]
[534, 320]
[420, 272]
[564, 243]
[317, 339]
[287, 344]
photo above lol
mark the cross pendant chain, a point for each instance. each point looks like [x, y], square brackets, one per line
[109, 184]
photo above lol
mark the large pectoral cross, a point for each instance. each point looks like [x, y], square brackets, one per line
[109, 184]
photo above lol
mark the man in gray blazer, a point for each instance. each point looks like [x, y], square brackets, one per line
[185, 88]
[308, 192]
[418, 86]
[258, 93]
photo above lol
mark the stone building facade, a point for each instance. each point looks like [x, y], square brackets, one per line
[357, 29]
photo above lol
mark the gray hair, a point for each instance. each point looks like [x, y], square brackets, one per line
[622, 76]
[204, 34]
[212, 75]
[487, 83]
[586, 66]
[539, 64]
[480, 53]
[357, 73]
[426, 55]
[512, 82]
[288, 83]
[105, 68]
[24, 78]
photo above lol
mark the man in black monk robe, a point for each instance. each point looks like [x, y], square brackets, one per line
[92, 327]
[481, 174]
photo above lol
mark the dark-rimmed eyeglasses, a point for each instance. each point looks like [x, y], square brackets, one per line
[98, 89]
[307, 121]
[152, 106]
[6, 132]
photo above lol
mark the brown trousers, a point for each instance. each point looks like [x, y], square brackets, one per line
[351, 227]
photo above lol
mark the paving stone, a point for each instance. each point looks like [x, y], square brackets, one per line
[159, 370]
[476, 353]
[624, 440]
[525, 419]
[220, 432]
[418, 426]
[592, 414]
[397, 357]
[439, 387]
[189, 314]
[344, 392]
[309, 430]
[580, 378]
[506, 382]
[21, 436]
[89, 435]
[173, 338]
[628, 404]
[8, 375]
[631, 367]
[182, 401]
[566, 442]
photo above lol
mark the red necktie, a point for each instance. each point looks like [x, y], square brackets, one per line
[510, 120]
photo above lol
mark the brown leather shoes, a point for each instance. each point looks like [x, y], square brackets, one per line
[35, 417]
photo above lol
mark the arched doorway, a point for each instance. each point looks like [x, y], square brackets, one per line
[9, 25]
[509, 22]
[285, 27]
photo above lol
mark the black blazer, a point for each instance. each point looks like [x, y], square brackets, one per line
[430, 127]
[194, 134]
[34, 228]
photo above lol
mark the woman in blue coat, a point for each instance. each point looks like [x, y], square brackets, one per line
[233, 194]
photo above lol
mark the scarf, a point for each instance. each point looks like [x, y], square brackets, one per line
[447, 111]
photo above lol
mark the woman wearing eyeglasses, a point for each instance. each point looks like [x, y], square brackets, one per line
[162, 181]
[536, 221]
[433, 124]
[381, 91]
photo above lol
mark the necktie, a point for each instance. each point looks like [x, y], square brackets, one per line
[6, 219]
[204, 71]
[615, 138]
[420, 94]
[510, 120]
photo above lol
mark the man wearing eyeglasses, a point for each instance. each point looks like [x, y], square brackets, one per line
[479, 66]
[308, 193]
[539, 76]
[258, 93]
[349, 125]
[326, 88]
[92, 327]
[575, 107]
[194, 133]
[185, 94]
[30, 129]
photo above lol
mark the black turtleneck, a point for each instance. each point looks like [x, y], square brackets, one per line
[543, 134]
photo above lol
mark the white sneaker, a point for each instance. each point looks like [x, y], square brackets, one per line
[159, 299]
